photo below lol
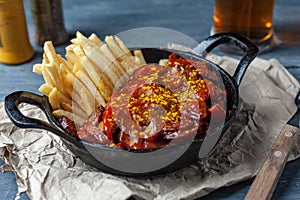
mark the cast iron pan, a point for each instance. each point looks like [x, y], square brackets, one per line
[153, 161]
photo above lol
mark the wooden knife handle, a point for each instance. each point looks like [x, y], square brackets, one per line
[266, 180]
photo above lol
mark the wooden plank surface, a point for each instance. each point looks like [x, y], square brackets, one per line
[191, 17]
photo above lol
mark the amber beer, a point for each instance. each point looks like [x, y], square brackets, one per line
[251, 18]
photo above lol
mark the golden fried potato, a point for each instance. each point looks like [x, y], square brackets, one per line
[77, 119]
[37, 68]
[94, 38]
[45, 89]
[87, 76]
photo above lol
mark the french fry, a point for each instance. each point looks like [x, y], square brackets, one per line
[73, 59]
[98, 79]
[70, 55]
[77, 107]
[79, 52]
[54, 99]
[114, 47]
[139, 54]
[116, 68]
[83, 93]
[64, 62]
[81, 75]
[77, 67]
[74, 108]
[94, 38]
[45, 89]
[54, 70]
[63, 98]
[37, 68]
[67, 106]
[47, 76]
[163, 62]
[123, 46]
[119, 53]
[77, 119]
[69, 47]
[68, 86]
[120, 83]
[102, 65]
[45, 59]
[138, 61]
[83, 41]
[57, 98]
[88, 101]
[50, 52]
[129, 69]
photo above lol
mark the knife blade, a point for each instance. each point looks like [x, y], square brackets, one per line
[267, 178]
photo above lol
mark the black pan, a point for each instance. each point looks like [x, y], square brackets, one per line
[153, 161]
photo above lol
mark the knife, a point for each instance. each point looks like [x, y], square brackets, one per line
[266, 180]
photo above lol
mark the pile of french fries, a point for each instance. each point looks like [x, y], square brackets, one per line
[87, 76]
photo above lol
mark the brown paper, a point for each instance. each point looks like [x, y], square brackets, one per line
[46, 169]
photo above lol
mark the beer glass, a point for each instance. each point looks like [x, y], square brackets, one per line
[250, 18]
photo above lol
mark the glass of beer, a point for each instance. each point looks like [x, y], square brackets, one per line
[250, 18]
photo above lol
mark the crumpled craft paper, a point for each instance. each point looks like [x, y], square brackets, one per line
[46, 169]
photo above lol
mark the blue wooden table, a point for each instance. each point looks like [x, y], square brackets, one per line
[191, 17]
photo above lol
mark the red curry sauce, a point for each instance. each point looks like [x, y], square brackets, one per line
[157, 105]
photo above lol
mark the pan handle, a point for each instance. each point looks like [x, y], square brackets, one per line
[249, 49]
[11, 103]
